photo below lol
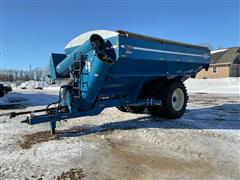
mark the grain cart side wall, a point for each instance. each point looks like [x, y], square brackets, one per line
[142, 59]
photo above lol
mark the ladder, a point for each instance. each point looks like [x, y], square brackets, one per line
[77, 73]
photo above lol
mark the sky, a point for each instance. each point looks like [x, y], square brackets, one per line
[32, 29]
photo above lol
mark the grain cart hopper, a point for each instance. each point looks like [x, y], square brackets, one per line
[121, 69]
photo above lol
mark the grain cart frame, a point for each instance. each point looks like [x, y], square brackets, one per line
[121, 69]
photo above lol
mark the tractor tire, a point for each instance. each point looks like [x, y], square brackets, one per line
[135, 109]
[174, 101]
[1, 93]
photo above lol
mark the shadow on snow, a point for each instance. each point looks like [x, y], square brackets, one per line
[222, 117]
[17, 100]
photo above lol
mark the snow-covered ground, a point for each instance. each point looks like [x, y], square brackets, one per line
[218, 86]
[203, 144]
[33, 85]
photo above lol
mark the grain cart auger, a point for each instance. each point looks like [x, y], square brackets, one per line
[125, 70]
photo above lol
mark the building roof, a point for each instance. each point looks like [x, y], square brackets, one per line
[230, 55]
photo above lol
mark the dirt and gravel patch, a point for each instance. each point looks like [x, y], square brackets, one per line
[150, 161]
[72, 174]
[29, 140]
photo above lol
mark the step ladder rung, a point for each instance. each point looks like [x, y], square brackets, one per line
[76, 97]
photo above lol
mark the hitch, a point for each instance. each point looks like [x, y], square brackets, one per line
[51, 110]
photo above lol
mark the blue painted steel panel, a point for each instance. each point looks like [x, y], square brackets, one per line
[136, 61]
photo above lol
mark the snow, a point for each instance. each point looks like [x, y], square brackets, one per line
[218, 50]
[203, 144]
[52, 88]
[79, 40]
[33, 85]
[218, 86]
[6, 83]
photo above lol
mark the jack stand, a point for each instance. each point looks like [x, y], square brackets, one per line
[53, 127]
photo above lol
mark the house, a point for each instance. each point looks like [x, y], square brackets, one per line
[224, 63]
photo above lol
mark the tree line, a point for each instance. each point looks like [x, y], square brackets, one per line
[12, 75]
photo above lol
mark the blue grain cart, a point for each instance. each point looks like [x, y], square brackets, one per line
[120, 69]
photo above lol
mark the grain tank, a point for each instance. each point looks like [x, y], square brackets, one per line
[132, 72]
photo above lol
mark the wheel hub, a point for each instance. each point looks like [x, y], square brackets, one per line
[177, 99]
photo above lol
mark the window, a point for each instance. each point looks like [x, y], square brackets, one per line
[214, 69]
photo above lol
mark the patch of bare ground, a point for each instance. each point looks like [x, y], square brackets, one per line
[152, 161]
[29, 140]
[72, 174]
[36, 138]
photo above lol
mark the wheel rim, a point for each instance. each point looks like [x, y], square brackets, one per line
[177, 99]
